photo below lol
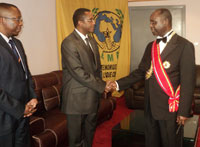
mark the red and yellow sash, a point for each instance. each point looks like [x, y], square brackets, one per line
[163, 79]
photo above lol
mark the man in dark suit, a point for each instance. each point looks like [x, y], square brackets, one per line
[82, 83]
[168, 67]
[17, 97]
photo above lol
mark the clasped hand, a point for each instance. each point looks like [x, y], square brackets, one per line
[30, 107]
[110, 86]
[181, 120]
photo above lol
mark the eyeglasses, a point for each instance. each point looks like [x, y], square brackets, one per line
[16, 19]
[90, 20]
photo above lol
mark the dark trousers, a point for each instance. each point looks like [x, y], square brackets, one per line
[20, 137]
[81, 129]
[162, 133]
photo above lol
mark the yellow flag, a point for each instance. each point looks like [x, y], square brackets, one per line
[112, 32]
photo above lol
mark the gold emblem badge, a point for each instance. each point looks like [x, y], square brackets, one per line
[149, 72]
[166, 64]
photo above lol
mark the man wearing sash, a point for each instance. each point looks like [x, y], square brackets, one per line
[168, 67]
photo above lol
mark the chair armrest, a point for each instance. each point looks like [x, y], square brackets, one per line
[106, 109]
[44, 139]
[106, 95]
[138, 85]
[37, 125]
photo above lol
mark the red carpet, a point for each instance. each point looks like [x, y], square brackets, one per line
[198, 139]
[103, 134]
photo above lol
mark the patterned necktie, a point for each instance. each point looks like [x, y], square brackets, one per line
[14, 49]
[90, 49]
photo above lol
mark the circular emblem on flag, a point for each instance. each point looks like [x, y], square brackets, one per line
[108, 28]
[166, 64]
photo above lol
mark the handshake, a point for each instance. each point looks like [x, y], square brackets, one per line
[110, 86]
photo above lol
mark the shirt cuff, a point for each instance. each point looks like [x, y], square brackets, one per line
[117, 88]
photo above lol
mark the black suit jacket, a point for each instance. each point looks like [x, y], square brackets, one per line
[179, 52]
[15, 89]
[82, 83]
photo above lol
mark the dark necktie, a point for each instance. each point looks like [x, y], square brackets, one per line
[14, 49]
[90, 49]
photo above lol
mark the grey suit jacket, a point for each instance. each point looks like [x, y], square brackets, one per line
[82, 83]
[179, 52]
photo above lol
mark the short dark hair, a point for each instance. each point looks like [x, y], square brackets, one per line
[166, 14]
[79, 15]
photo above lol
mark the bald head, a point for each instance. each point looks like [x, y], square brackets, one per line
[160, 22]
[10, 20]
[6, 7]
[166, 14]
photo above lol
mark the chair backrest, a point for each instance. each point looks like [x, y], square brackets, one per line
[197, 76]
[47, 87]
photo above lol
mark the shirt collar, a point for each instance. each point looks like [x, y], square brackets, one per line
[81, 35]
[166, 35]
[5, 37]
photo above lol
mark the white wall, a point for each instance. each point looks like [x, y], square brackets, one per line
[192, 19]
[39, 34]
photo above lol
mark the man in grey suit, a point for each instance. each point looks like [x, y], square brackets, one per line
[168, 67]
[17, 96]
[82, 83]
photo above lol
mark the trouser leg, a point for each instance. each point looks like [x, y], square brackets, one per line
[90, 127]
[74, 126]
[22, 133]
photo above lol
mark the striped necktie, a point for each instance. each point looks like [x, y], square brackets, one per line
[14, 49]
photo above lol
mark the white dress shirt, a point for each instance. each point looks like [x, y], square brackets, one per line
[162, 45]
[84, 37]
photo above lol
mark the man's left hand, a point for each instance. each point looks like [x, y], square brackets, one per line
[33, 102]
[181, 120]
[30, 107]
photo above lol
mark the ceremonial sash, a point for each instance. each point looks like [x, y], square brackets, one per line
[163, 79]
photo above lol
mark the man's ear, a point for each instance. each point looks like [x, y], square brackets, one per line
[166, 22]
[1, 20]
[80, 23]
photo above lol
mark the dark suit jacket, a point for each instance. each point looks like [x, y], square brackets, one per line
[179, 52]
[82, 82]
[15, 89]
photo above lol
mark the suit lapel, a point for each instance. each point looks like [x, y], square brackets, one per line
[94, 50]
[19, 48]
[83, 45]
[171, 45]
[7, 47]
